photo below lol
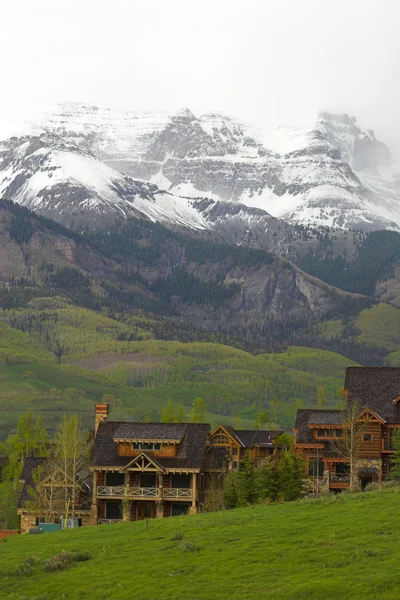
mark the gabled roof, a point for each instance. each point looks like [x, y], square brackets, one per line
[247, 438]
[139, 458]
[306, 417]
[189, 452]
[375, 388]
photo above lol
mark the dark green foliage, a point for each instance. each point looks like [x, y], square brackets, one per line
[395, 457]
[247, 492]
[193, 290]
[376, 258]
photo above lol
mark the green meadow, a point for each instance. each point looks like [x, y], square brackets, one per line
[338, 547]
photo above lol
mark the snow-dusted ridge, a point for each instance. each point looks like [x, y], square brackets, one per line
[325, 170]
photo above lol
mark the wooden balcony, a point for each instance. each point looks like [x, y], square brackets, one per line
[145, 493]
[339, 480]
[177, 493]
[109, 521]
[120, 491]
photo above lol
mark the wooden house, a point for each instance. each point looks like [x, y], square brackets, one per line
[258, 443]
[146, 470]
[371, 415]
[43, 499]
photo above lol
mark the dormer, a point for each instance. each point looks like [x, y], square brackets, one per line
[155, 439]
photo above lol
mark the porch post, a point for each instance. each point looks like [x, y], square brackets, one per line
[193, 508]
[93, 508]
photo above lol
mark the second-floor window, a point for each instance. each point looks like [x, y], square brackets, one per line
[146, 446]
[329, 433]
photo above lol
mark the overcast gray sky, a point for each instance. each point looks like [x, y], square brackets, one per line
[265, 61]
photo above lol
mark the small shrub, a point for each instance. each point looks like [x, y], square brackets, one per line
[26, 569]
[178, 535]
[59, 562]
[189, 546]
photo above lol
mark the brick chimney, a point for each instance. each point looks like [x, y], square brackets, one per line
[102, 412]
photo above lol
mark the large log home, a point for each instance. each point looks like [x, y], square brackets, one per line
[138, 471]
[373, 411]
[146, 470]
[259, 443]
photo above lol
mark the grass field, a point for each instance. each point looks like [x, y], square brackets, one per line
[340, 547]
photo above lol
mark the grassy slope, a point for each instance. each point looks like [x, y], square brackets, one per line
[346, 547]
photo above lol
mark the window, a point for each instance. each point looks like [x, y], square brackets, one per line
[234, 451]
[180, 509]
[329, 433]
[180, 481]
[146, 446]
[367, 437]
[221, 440]
[115, 479]
[114, 510]
[148, 480]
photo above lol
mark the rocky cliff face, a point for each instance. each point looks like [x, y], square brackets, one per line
[326, 170]
[271, 298]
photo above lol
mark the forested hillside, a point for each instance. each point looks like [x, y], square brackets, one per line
[144, 314]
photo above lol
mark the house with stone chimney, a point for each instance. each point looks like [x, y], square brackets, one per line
[138, 471]
[147, 470]
[371, 415]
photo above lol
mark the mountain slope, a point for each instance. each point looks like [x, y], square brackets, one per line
[327, 170]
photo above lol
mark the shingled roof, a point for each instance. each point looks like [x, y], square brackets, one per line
[375, 388]
[248, 438]
[189, 454]
[150, 431]
[326, 417]
[310, 416]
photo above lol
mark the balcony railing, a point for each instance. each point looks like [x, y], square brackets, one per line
[121, 491]
[109, 521]
[110, 490]
[177, 493]
[387, 445]
[339, 478]
[142, 492]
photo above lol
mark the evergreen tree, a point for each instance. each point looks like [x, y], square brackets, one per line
[395, 457]
[247, 489]
[291, 475]
[230, 491]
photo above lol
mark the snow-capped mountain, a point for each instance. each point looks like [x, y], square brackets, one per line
[52, 176]
[216, 172]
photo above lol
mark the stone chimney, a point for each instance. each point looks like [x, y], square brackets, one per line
[102, 412]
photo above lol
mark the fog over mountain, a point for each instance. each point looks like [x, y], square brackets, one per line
[266, 63]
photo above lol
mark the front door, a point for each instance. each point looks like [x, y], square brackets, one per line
[365, 481]
[145, 510]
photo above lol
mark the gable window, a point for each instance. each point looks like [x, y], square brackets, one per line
[367, 437]
[221, 440]
[146, 446]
